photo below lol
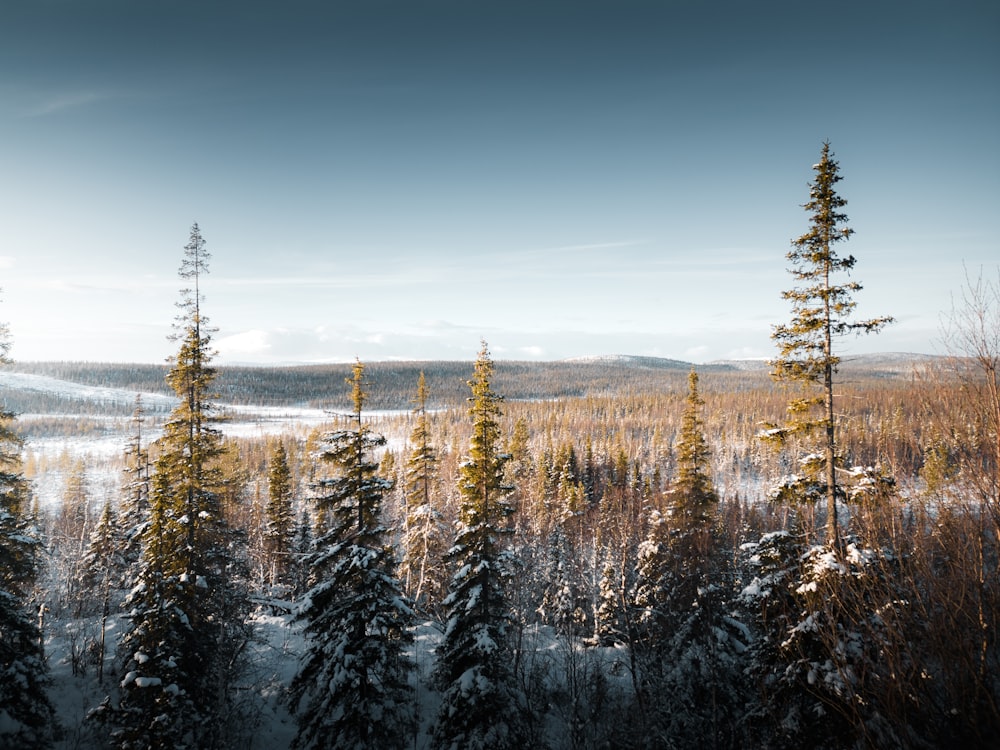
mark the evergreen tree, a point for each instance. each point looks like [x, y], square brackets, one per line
[188, 613]
[693, 494]
[301, 546]
[821, 313]
[480, 708]
[561, 605]
[135, 490]
[609, 609]
[279, 529]
[423, 535]
[104, 568]
[27, 719]
[352, 690]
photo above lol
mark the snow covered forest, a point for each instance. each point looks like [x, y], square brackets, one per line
[628, 626]
[610, 553]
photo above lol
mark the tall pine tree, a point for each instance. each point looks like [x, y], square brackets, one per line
[279, 529]
[480, 707]
[821, 313]
[423, 534]
[188, 613]
[353, 690]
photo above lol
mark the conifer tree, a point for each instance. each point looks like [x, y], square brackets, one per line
[692, 492]
[134, 513]
[104, 568]
[188, 614]
[423, 535]
[279, 530]
[27, 719]
[352, 690]
[821, 313]
[480, 708]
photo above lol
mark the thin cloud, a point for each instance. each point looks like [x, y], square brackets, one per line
[347, 281]
[51, 104]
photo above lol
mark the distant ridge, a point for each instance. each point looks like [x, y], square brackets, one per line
[896, 363]
[651, 363]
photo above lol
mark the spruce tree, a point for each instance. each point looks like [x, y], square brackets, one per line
[480, 708]
[352, 690]
[423, 534]
[692, 493]
[188, 614]
[104, 569]
[27, 719]
[821, 313]
[279, 529]
[134, 514]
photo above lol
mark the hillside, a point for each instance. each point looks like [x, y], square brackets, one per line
[110, 388]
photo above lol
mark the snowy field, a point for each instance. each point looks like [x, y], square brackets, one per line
[50, 457]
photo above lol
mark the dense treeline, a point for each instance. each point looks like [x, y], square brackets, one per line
[392, 382]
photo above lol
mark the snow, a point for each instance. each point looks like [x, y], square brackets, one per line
[68, 390]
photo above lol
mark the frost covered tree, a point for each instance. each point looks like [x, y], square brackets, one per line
[134, 508]
[562, 604]
[821, 313]
[104, 572]
[70, 531]
[352, 690]
[480, 707]
[423, 535]
[279, 529]
[27, 719]
[187, 610]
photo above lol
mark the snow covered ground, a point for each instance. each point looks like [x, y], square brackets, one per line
[265, 721]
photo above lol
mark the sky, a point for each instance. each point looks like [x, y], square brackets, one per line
[395, 179]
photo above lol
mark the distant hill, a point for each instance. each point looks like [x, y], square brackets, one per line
[109, 388]
[888, 363]
[655, 363]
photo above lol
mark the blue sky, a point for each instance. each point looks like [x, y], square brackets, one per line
[390, 179]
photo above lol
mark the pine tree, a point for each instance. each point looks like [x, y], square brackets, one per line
[821, 312]
[423, 534]
[188, 614]
[135, 490]
[352, 690]
[279, 530]
[27, 719]
[104, 569]
[693, 494]
[480, 708]
[561, 599]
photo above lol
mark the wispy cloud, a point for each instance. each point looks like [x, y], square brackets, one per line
[346, 281]
[45, 104]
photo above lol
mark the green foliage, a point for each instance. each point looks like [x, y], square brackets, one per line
[353, 689]
[279, 530]
[692, 492]
[423, 541]
[821, 312]
[480, 708]
[188, 611]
